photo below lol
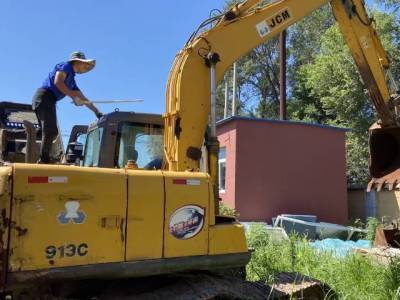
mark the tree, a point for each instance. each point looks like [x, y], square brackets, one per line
[334, 80]
[323, 83]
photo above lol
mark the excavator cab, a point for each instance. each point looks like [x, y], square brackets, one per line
[119, 139]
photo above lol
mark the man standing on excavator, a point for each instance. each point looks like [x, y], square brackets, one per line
[59, 83]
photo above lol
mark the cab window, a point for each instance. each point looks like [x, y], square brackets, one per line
[142, 143]
[92, 147]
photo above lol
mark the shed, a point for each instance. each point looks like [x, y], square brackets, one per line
[270, 167]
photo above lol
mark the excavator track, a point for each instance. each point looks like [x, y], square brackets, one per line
[201, 286]
[190, 286]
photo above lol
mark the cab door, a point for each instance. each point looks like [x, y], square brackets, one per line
[67, 216]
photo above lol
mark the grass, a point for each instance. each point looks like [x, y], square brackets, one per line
[351, 277]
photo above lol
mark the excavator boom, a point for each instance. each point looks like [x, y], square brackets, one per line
[234, 34]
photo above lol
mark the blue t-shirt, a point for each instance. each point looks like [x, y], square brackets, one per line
[69, 81]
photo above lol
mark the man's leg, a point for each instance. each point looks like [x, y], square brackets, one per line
[47, 116]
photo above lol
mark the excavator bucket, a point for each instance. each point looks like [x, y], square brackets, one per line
[384, 147]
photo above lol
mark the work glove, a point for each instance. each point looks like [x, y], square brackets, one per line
[99, 115]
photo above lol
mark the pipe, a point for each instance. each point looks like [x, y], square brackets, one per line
[213, 117]
[212, 141]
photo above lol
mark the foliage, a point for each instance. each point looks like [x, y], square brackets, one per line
[390, 4]
[351, 277]
[225, 210]
[372, 225]
[324, 85]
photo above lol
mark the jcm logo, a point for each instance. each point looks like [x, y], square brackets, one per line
[273, 22]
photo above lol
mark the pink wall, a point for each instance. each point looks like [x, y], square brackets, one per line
[227, 138]
[284, 167]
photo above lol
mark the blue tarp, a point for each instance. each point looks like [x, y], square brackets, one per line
[339, 247]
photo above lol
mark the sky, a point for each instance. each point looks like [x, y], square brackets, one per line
[134, 43]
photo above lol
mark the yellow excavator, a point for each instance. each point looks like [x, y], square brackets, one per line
[67, 226]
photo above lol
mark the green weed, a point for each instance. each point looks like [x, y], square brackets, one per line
[351, 277]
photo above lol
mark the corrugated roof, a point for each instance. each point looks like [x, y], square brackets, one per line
[236, 118]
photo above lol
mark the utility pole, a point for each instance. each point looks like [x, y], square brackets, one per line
[234, 110]
[283, 75]
[226, 98]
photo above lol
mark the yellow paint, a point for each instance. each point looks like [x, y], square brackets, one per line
[102, 196]
[177, 196]
[108, 197]
[145, 215]
[5, 202]
[227, 238]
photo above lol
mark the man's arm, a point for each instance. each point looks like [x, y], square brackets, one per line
[59, 83]
[89, 104]
[73, 94]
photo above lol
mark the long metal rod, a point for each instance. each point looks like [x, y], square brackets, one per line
[283, 76]
[213, 101]
[117, 101]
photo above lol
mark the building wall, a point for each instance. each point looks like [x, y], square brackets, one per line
[227, 139]
[356, 201]
[383, 205]
[387, 205]
[285, 167]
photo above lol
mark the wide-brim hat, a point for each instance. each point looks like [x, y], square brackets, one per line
[80, 56]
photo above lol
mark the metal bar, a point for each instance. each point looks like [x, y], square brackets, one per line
[283, 75]
[117, 101]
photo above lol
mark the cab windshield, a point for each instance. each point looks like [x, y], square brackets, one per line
[142, 143]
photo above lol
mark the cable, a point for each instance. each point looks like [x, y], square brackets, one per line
[201, 26]
[215, 9]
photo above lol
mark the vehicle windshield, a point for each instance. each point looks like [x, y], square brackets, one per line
[142, 143]
[92, 147]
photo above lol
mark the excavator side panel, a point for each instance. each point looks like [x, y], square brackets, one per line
[144, 239]
[5, 209]
[66, 216]
[186, 214]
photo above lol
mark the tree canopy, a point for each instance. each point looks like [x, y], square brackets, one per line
[324, 85]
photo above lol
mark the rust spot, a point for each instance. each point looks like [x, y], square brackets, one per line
[3, 248]
[21, 231]
[24, 198]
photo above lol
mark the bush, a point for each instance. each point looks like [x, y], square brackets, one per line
[372, 224]
[351, 277]
[225, 210]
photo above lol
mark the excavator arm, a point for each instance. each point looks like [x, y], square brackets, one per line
[235, 33]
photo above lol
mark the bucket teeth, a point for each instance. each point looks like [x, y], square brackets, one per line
[390, 185]
[370, 185]
[388, 182]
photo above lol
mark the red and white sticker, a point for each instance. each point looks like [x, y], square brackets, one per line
[186, 181]
[47, 179]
